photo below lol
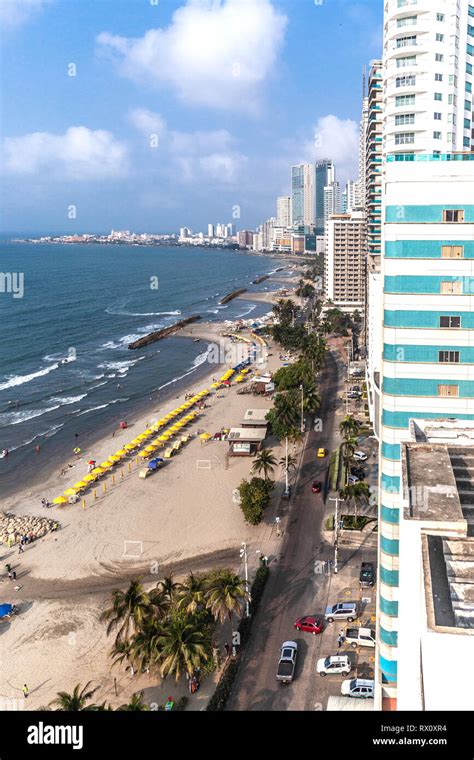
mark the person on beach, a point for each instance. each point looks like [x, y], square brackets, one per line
[25, 691]
[170, 704]
[20, 548]
[8, 568]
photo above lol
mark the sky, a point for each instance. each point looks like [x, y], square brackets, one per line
[150, 115]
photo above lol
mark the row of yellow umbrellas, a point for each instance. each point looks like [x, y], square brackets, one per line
[138, 441]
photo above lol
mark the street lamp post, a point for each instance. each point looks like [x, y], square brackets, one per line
[243, 555]
[287, 489]
[302, 410]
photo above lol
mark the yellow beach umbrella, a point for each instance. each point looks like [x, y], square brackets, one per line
[129, 446]
[60, 500]
[144, 454]
[114, 458]
[88, 478]
[215, 385]
[135, 441]
[70, 492]
[120, 453]
[105, 465]
[98, 471]
[141, 437]
[162, 438]
[157, 443]
[150, 448]
[205, 436]
[80, 484]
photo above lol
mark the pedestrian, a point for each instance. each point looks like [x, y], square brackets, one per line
[340, 639]
[227, 648]
[170, 704]
[13, 575]
[20, 548]
[8, 568]
[25, 691]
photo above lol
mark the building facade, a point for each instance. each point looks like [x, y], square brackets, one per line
[283, 211]
[303, 194]
[344, 265]
[325, 174]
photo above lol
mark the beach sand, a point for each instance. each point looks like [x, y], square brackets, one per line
[182, 517]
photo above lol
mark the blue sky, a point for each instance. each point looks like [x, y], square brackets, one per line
[178, 110]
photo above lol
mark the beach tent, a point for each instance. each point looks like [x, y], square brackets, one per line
[5, 610]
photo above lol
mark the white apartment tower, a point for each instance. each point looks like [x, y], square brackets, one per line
[427, 265]
[284, 211]
[344, 264]
[303, 198]
[428, 59]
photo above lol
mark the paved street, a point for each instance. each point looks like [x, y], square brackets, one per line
[301, 583]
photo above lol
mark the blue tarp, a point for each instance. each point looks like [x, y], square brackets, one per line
[5, 610]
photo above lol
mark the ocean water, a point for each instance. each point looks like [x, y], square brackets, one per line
[66, 374]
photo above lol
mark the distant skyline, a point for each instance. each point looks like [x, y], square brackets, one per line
[150, 116]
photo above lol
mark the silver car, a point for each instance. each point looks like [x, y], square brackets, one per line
[358, 687]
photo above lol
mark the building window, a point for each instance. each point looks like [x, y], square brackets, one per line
[453, 288]
[438, 96]
[452, 100]
[450, 321]
[439, 37]
[453, 215]
[468, 87]
[407, 21]
[436, 135]
[406, 41]
[404, 138]
[438, 77]
[470, 49]
[452, 251]
[448, 390]
[467, 105]
[468, 68]
[437, 116]
[409, 81]
[440, 17]
[448, 357]
[467, 124]
[453, 80]
[404, 118]
[439, 57]
[405, 100]
[408, 60]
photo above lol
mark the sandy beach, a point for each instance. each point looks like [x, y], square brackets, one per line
[181, 518]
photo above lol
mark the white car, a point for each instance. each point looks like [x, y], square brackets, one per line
[338, 664]
[358, 687]
[359, 456]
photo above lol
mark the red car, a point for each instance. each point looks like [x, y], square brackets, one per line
[309, 624]
[316, 486]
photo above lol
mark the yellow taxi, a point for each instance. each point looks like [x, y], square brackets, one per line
[321, 453]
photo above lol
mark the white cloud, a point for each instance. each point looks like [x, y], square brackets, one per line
[216, 53]
[13, 13]
[80, 153]
[337, 139]
[198, 155]
[147, 122]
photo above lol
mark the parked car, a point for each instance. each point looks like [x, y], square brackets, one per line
[356, 389]
[352, 480]
[367, 574]
[359, 472]
[353, 394]
[363, 637]
[321, 453]
[287, 662]
[334, 664]
[359, 456]
[342, 611]
[357, 687]
[316, 486]
[310, 624]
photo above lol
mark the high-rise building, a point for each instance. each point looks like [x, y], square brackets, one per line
[359, 200]
[348, 197]
[245, 238]
[303, 194]
[373, 208]
[210, 230]
[427, 263]
[332, 201]
[344, 265]
[428, 59]
[283, 211]
[325, 174]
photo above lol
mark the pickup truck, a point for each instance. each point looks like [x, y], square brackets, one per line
[360, 637]
[287, 663]
[367, 574]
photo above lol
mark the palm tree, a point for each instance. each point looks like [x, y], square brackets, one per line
[264, 462]
[136, 704]
[347, 450]
[226, 594]
[121, 652]
[311, 399]
[169, 588]
[349, 427]
[355, 494]
[192, 594]
[183, 646]
[127, 611]
[290, 464]
[159, 603]
[144, 648]
[77, 701]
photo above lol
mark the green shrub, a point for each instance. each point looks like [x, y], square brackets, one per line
[255, 498]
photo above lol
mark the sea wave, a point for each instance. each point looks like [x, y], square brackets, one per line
[117, 311]
[15, 380]
[103, 406]
[63, 401]
[244, 314]
[16, 418]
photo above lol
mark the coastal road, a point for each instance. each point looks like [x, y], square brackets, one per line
[295, 581]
